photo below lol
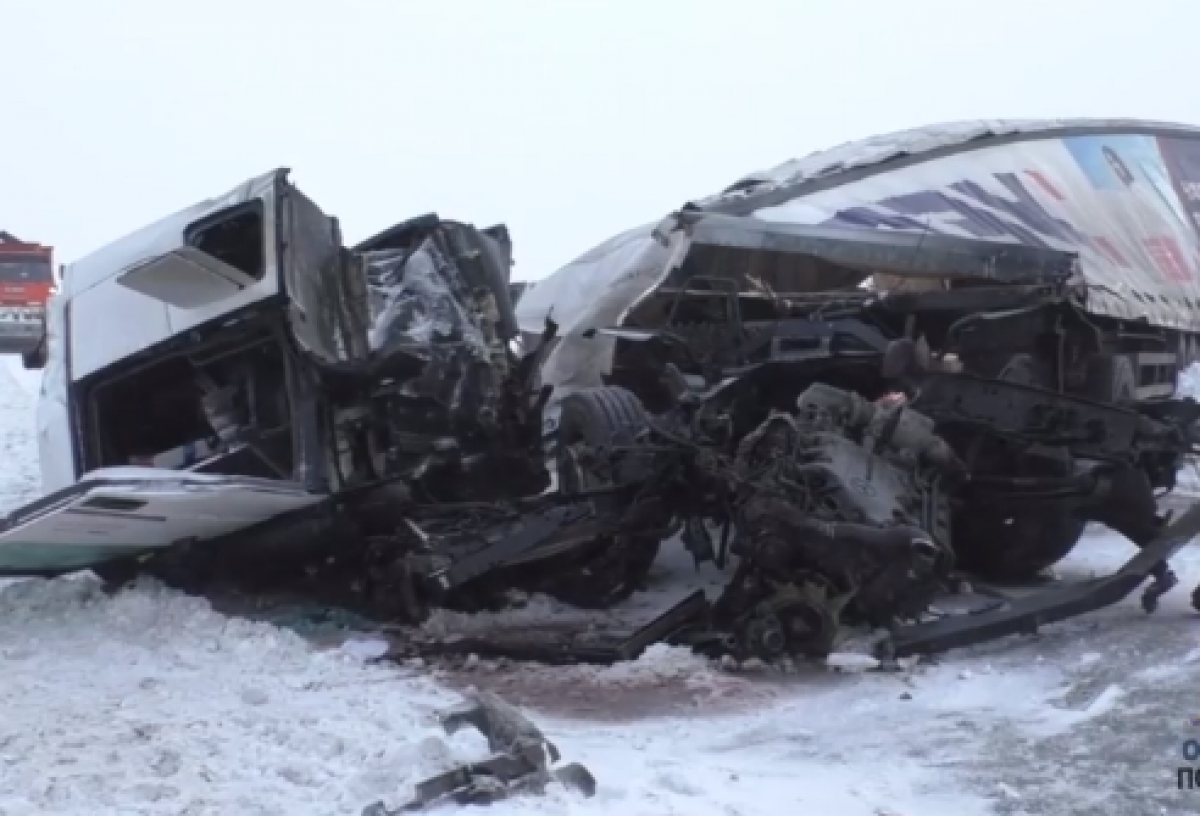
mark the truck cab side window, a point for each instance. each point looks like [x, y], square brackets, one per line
[235, 237]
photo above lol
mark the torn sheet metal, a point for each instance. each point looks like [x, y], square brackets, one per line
[438, 295]
[907, 255]
[328, 310]
[437, 283]
[521, 760]
[128, 511]
[413, 306]
[1122, 195]
[752, 256]
[592, 292]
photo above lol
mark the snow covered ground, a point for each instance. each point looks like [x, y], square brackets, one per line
[151, 703]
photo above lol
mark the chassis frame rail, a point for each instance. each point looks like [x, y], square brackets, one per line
[1026, 615]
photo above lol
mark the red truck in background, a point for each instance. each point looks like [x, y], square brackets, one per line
[26, 284]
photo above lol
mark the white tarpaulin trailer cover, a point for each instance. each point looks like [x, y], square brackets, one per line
[1123, 195]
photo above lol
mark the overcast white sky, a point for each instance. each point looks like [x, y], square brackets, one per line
[568, 120]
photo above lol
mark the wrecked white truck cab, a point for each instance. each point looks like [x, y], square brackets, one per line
[234, 361]
[354, 427]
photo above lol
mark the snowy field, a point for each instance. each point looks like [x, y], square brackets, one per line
[151, 703]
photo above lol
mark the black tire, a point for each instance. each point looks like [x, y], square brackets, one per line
[608, 417]
[985, 542]
[997, 550]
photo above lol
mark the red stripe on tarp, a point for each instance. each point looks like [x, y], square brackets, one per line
[1046, 184]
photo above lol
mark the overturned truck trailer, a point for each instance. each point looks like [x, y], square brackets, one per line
[844, 419]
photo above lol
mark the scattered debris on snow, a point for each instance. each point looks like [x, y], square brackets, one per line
[520, 760]
[851, 662]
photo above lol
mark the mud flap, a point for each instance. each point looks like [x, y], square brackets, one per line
[1025, 615]
[131, 511]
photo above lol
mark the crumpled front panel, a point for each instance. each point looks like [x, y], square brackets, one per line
[415, 305]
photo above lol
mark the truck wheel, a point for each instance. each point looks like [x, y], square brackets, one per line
[1016, 547]
[601, 419]
[1111, 378]
[595, 418]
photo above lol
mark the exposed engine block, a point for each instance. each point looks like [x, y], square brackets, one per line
[873, 464]
[840, 520]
